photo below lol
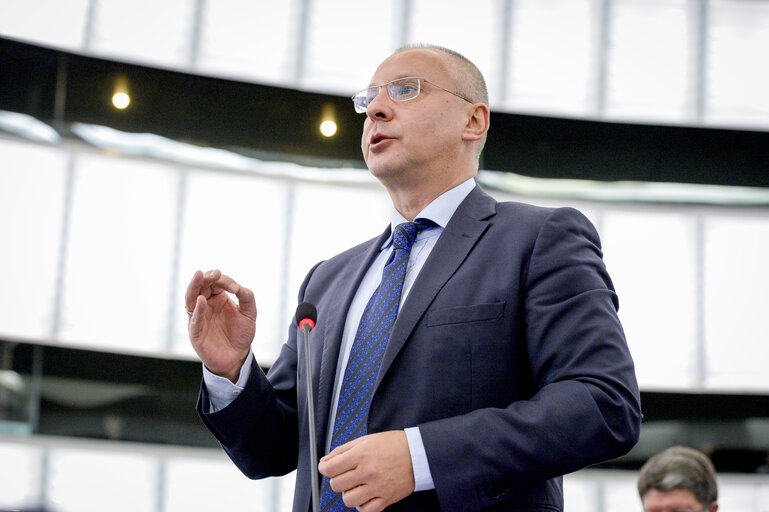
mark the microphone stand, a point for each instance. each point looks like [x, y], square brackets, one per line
[311, 416]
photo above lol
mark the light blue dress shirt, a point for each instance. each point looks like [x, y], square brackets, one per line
[222, 392]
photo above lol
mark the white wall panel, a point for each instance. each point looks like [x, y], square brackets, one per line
[736, 299]
[651, 257]
[650, 60]
[20, 482]
[90, 481]
[32, 192]
[119, 254]
[737, 73]
[46, 22]
[247, 39]
[553, 59]
[156, 33]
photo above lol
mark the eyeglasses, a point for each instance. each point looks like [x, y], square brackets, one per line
[400, 89]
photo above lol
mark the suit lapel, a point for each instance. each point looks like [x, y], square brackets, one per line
[462, 232]
[342, 296]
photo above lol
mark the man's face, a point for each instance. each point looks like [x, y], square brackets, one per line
[416, 138]
[675, 500]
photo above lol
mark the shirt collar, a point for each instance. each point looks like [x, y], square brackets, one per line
[439, 211]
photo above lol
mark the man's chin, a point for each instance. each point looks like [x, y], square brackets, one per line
[384, 173]
[380, 166]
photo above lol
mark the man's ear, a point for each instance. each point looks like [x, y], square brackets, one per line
[477, 123]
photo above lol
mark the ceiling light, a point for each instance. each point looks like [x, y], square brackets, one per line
[121, 100]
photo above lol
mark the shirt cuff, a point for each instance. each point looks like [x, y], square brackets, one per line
[423, 479]
[221, 391]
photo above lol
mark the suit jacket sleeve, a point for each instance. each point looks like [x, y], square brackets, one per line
[584, 405]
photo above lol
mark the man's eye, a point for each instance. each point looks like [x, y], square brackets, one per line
[405, 91]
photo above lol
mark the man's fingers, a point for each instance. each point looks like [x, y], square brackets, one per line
[357, 496]
[200, 284]
[375, 466]
[342, 449]
[337, 461]
[346, 481]
[193, 290]
[209, 279]
[195, 323]
[361, 498]
[246, 301]
[245, 296]
[373, 505]
[212, 283]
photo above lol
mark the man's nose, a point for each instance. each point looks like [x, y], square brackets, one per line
[381, 106]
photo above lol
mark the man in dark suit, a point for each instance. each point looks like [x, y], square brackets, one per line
[506, 367]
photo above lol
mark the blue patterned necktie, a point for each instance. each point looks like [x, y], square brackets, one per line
[369, 346]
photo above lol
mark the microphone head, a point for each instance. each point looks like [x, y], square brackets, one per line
[306, 314]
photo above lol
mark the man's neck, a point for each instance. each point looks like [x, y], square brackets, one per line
[410, 201]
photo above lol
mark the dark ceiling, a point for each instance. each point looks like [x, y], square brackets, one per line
[282, 123]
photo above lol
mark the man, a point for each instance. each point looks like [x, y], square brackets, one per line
[679, 479]
[505, 368]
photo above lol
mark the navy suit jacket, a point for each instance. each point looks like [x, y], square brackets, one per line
[507, 353]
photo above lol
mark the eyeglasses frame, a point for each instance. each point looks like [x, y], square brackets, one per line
[386, 85]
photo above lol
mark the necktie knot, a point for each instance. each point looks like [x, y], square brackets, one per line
[405, 233]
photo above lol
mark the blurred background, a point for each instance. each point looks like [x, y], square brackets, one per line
[140, 141]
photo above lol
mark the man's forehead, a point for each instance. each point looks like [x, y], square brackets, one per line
[411, 62]
[672, 498]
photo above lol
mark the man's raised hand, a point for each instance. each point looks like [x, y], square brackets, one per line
[220, 329]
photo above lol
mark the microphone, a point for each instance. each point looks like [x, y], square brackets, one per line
[306, 315]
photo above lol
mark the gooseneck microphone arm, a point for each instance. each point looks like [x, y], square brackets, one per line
[306, 315]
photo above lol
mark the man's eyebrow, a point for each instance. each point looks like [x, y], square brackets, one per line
[404, 75]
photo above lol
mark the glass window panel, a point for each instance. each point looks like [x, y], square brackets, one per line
[579, 494]
[31, 202]
[737, 53]
[214, 484]
[249, 39]
[146, 30]
[342, 51]
[648, 77]
[445, 23]
[20, 483]
[285, 492]
[651, 258]
[119, 258]
[363, 212]
[620, 493]
[736, 302]
[736, 493]
[552, 61]
[49, 22]
[85, 481]
[236, 224]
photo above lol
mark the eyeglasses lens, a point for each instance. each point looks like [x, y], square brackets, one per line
[402, 89]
